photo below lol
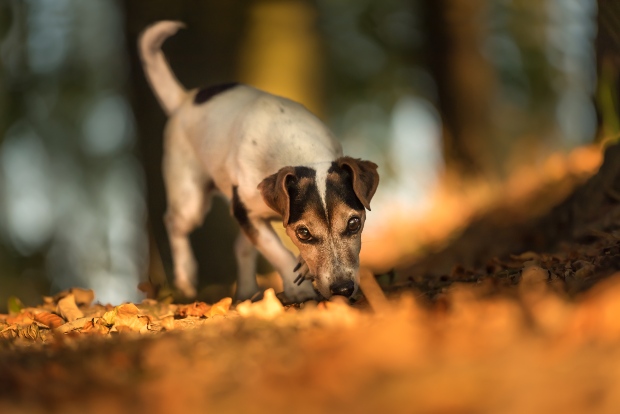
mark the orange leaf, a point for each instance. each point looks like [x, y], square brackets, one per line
[137, 323]
[88, 326]
[10, 332]
[127, 310]
[49, 319]
[167, 323]
[91, 327]
[221, 307]
[73, 325]
[267, 308]
[199, 309]
[30, 332]
[127, 316]
[23, 318]
[68, 309]
[82, 296]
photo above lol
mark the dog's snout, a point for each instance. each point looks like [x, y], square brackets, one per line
[344, 288]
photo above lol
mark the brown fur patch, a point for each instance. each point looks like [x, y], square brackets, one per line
[275, 194]
[333, 253]
[365, 178]
[205, 94]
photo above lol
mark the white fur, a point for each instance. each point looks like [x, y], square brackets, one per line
[321, 182]
[167, 88]
[237, 138]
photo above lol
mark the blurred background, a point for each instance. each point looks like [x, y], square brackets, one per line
[439, 93]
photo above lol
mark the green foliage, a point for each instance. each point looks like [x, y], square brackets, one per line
[14, 305]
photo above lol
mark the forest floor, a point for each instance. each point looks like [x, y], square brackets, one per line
[518, 314]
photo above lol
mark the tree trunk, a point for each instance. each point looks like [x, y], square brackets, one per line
[465, 84]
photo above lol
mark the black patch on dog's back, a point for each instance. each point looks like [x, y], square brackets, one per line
[240, 212]
[304, 194]
[341, 188]
[210, 187]
[204, 94]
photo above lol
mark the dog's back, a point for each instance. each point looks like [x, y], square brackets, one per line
[247, 134]
[240, 134]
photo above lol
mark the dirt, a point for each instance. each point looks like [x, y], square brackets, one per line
[516, 315]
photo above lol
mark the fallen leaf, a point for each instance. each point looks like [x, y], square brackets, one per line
[10, 332]
[49, 319]
[68, 309]
[137, 323]
[23, 318]
[109, 317]
[156, 309]
[267, 308]
[83, 297]
[198, 309]
[127, 310]
[124, 311]
[128, 316]
[167, 323]
[73, 325]
[123, 328]
[30, 332]
[221, 307]
[94, 327]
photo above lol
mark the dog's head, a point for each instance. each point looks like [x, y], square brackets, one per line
[323, 210]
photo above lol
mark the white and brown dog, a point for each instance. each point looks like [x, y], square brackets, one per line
[272, 159]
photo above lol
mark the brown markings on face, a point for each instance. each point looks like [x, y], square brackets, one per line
[288, 191]
[332, 251]
[321, 228]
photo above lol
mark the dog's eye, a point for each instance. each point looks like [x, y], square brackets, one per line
[303, 234]
[354, 225]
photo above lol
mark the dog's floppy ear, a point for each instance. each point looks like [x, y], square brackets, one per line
[274, 192]
[365, 178]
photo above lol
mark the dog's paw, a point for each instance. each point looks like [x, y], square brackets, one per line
[301, 269]
[298, 293]
[186, 287]
[254, 296]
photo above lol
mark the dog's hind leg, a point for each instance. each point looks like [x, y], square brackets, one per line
[189, 199]
[245, 251]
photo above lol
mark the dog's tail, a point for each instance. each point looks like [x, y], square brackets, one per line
[169, 92]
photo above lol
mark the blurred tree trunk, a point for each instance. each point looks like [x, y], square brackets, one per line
[608, 68]
[282, 52]
[465, 84]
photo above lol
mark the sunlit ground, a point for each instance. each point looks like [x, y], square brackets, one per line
[397, 233]
[531, 332]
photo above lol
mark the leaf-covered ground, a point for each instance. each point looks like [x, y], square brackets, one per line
[519, 314]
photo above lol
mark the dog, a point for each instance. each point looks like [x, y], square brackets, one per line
[272, 159]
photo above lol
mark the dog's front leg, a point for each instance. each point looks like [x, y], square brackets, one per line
[270, 246]
[245, 253]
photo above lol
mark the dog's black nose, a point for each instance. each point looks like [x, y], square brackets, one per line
[344, 288]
